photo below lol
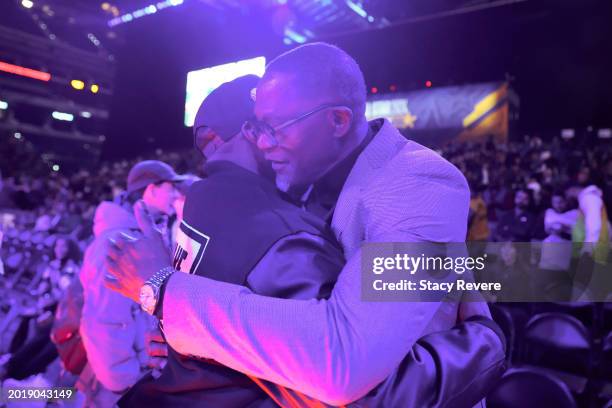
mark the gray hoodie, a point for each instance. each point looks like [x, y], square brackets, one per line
[112, 326]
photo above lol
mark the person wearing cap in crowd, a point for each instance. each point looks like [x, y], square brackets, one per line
[237, 228]
[179, 204]
[112, 326]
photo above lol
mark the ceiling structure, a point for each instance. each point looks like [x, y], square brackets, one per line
[78, 44]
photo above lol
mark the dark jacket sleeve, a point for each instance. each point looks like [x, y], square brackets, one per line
[451, 368]
[298, 266]
[454, 368]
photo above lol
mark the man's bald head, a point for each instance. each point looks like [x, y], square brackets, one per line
[324, 72]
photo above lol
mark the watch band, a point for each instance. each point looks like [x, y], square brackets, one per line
[158, 279]
[159, 306]
[149, 303]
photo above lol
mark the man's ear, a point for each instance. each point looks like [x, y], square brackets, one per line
[149, 191]
[341, 119]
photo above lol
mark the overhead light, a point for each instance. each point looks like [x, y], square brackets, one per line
[27, 3]
[47, 10]
[356, 8]
[3, 105]
[294, 36]
[141, 12]
[77, 84]
[26, 72]
[604, 133]
[17, 135]
[68, 117]
[55, 167]
[93, 39]
[86, 114]
[94, 88]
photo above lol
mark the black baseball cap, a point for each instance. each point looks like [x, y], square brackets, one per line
[226, 108]
[151, 172]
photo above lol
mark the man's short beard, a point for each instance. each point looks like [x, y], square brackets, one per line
[282, 185]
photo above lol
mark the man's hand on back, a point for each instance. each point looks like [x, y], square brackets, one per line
[157, 349]
[132, 260]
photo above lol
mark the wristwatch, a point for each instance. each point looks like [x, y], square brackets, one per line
[149, 292]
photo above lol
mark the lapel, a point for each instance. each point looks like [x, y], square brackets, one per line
[383, 147]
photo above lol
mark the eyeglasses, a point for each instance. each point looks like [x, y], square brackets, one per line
[252, 130]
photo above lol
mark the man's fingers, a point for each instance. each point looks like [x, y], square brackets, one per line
[112, 283]
[112, 256]
[116, 242]
[112, 264]
[157, 362]
[157, 349]
[155, 336]
[144, 219]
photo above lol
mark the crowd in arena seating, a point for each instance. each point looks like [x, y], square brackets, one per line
[535, 171]
[529, 191]
[520, 192]
[46, 220]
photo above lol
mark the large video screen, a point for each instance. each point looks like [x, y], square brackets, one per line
[202, 82]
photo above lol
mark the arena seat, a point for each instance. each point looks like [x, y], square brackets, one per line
[520, 314]
[583, 311]
[558, 341]
[525, 388]
[504, 319]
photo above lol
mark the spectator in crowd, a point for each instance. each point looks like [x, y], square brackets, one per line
[607, 186]
[592, 227]
[520, 224]
[113, 326]
[555, 259]
[58, 273]
[591, 238]
[179, 204]
[478, 223]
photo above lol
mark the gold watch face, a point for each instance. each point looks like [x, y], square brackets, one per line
[147, 298]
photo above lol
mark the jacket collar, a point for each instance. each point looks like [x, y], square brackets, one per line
[387, 142]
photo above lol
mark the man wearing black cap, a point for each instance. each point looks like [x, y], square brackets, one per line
[237, 228]
[112, 326]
